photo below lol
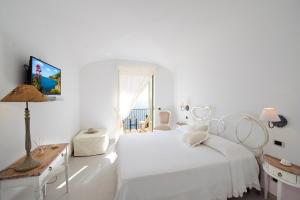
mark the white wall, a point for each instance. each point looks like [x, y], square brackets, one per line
[99, 92]
[23, 33]
[247, 59]
[164, 93]
[98, 96]
[51, 122]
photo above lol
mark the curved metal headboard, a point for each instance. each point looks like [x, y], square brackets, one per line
[206, 109]
[221, 127]
[253, 121]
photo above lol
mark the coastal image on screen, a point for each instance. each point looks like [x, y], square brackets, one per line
[46, 78]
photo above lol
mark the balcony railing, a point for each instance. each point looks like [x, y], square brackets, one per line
[134, 117]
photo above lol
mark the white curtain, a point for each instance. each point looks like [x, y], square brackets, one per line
[133, 79]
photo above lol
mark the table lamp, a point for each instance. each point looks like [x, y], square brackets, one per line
[26, 93]
[270, 115]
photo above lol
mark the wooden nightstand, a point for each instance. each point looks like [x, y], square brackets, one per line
[284, 174]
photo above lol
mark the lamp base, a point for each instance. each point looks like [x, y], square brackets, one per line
[28, 164]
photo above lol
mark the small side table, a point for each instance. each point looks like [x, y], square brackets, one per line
[36, 178]
[284, 175]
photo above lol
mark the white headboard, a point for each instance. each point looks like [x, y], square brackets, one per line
[242, 128]
[201, 114]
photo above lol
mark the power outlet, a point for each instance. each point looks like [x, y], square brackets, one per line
[279, 143]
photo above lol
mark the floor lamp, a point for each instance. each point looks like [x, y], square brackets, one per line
[26, 93]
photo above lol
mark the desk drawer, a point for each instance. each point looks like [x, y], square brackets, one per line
[54, 168]
[291, 178]
[58, 161]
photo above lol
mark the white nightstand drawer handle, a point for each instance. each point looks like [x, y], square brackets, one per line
[279, 174]
[50, 168]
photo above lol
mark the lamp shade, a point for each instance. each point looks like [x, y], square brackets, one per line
[269, 114]
[24, 93]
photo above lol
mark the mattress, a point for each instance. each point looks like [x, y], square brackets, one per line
[160, 166]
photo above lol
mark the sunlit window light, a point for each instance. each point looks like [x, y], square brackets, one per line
[78, 172]
[112, 157]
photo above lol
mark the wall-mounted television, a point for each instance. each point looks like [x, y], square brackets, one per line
[45, 77]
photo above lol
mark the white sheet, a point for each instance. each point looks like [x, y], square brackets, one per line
[243, 166]
[159, 166]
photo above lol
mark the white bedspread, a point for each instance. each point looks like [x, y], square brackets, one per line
[159, 166]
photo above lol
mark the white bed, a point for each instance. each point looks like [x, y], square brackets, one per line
[160, 166]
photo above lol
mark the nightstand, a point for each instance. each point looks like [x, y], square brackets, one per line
[284, 175]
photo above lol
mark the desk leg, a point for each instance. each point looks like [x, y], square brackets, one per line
[37, 193]
[67, 170]
[266, 184]
[279, 190]
[44, 190]
[1, 192]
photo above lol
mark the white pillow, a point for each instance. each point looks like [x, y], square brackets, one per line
[195, 137]
[200, 127]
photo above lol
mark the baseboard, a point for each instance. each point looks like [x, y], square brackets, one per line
[272, 196]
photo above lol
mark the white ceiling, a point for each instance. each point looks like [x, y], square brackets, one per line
[165, 32]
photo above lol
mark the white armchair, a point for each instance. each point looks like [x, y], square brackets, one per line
[164, 121]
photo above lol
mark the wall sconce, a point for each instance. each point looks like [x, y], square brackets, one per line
[184, 107]
[270, 115]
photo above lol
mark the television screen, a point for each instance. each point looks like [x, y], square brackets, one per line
[46, 78]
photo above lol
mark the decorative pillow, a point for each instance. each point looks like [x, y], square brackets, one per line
[195, 137]
[199, 127]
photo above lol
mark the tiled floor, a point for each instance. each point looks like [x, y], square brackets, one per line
[93, 178]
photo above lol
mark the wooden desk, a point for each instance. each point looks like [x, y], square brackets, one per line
[284, 174]
[37, 178]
